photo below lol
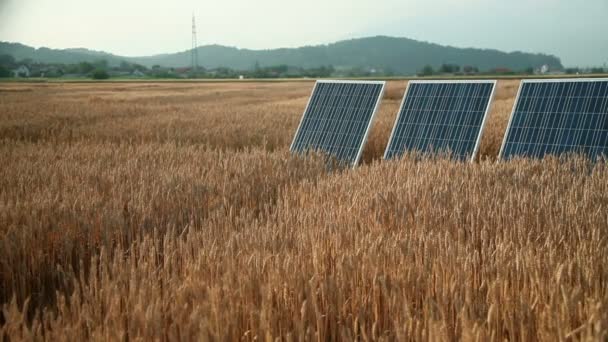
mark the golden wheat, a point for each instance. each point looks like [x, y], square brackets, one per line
[175, 212]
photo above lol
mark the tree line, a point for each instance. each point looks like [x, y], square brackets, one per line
[101, 69]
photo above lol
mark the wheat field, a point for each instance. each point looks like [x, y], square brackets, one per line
[174, 211]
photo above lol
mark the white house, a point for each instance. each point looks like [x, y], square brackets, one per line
[21, 71]
[544, 69]
[138, 73]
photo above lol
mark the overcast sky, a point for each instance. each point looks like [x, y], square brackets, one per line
[575, 31]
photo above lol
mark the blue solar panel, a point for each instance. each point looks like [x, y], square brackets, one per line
[441, 116]
[337, 119]
[558, 116]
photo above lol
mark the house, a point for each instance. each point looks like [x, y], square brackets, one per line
[544, 69]
[21, 71]
[138, 73]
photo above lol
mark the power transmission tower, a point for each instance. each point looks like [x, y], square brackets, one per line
[194, 50]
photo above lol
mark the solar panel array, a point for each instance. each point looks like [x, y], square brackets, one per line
[338, 117]
[549, 117]
[441, 116]
[558, 116]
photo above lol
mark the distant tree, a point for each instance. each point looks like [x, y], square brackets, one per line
[142, 68]
[125, 66]
[449, 68]
[100, 74]
[529, 71]
[85, 67]
[163, 73]
[572, 71]
[5, 72]
[325, 71]
[597, 70]
[26, 61]
[469, 69]
[322, 71]
[222, 72]
[7, 61]
[101, 64]
[281, 68]
[258, 72]
[426, 71]
[54, 73]
[71, 69]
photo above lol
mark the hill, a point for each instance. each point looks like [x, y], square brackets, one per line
[59, 56]
[400, 55]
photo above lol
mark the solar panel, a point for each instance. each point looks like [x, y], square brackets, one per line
[441, 116]
[558, 116]
[338, 117]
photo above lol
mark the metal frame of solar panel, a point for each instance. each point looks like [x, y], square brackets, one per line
[422, 136]
[338, 118]
[562, 105]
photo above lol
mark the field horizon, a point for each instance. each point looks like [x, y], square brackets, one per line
[152, 80]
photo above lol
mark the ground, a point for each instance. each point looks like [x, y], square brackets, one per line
[175, 211]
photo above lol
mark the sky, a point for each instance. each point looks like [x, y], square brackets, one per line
[575, 31]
